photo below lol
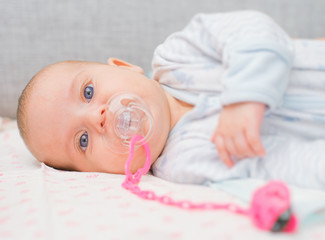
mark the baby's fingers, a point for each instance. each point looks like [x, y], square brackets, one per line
[242, 147]
[223, 152]
[255, 142]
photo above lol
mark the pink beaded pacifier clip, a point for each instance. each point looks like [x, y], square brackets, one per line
[269, 208]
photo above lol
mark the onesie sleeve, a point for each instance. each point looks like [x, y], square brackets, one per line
[256, 55]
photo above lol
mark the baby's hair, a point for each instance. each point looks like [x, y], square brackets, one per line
[22, 119]
[21, 110]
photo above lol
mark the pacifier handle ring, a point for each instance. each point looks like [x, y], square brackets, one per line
[135, 178]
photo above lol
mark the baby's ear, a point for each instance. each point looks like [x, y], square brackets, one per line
[123, 64]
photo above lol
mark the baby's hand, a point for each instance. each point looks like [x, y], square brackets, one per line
[238, 131]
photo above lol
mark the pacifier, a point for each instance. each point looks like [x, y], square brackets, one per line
[128, 115]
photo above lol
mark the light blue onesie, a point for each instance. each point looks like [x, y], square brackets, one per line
[225, 58]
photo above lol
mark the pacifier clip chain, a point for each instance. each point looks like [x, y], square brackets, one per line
[269, 208]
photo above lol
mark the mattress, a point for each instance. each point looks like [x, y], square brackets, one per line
[39, 202]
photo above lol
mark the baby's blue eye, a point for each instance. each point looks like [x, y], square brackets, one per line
[89, 92]
[84, 141]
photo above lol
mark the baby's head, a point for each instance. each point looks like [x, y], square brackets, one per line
[62, 114]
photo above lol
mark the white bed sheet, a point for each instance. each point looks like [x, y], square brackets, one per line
[39, 202]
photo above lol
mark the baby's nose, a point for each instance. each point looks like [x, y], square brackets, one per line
[102, 117]
[98, 118]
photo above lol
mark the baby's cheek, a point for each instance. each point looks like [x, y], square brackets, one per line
[108, 162]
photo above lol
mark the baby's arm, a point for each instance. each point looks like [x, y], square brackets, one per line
[258, 66]
[256, 57]
[238, 131]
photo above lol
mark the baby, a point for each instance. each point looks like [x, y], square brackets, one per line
[232, 96]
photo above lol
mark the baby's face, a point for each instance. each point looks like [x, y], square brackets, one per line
[65, 116]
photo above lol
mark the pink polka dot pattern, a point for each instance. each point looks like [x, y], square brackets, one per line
[39, 202]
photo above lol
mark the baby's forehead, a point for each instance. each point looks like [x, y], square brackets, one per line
[59, 77]
[67, 66]
[54, 72]
[70, 66]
